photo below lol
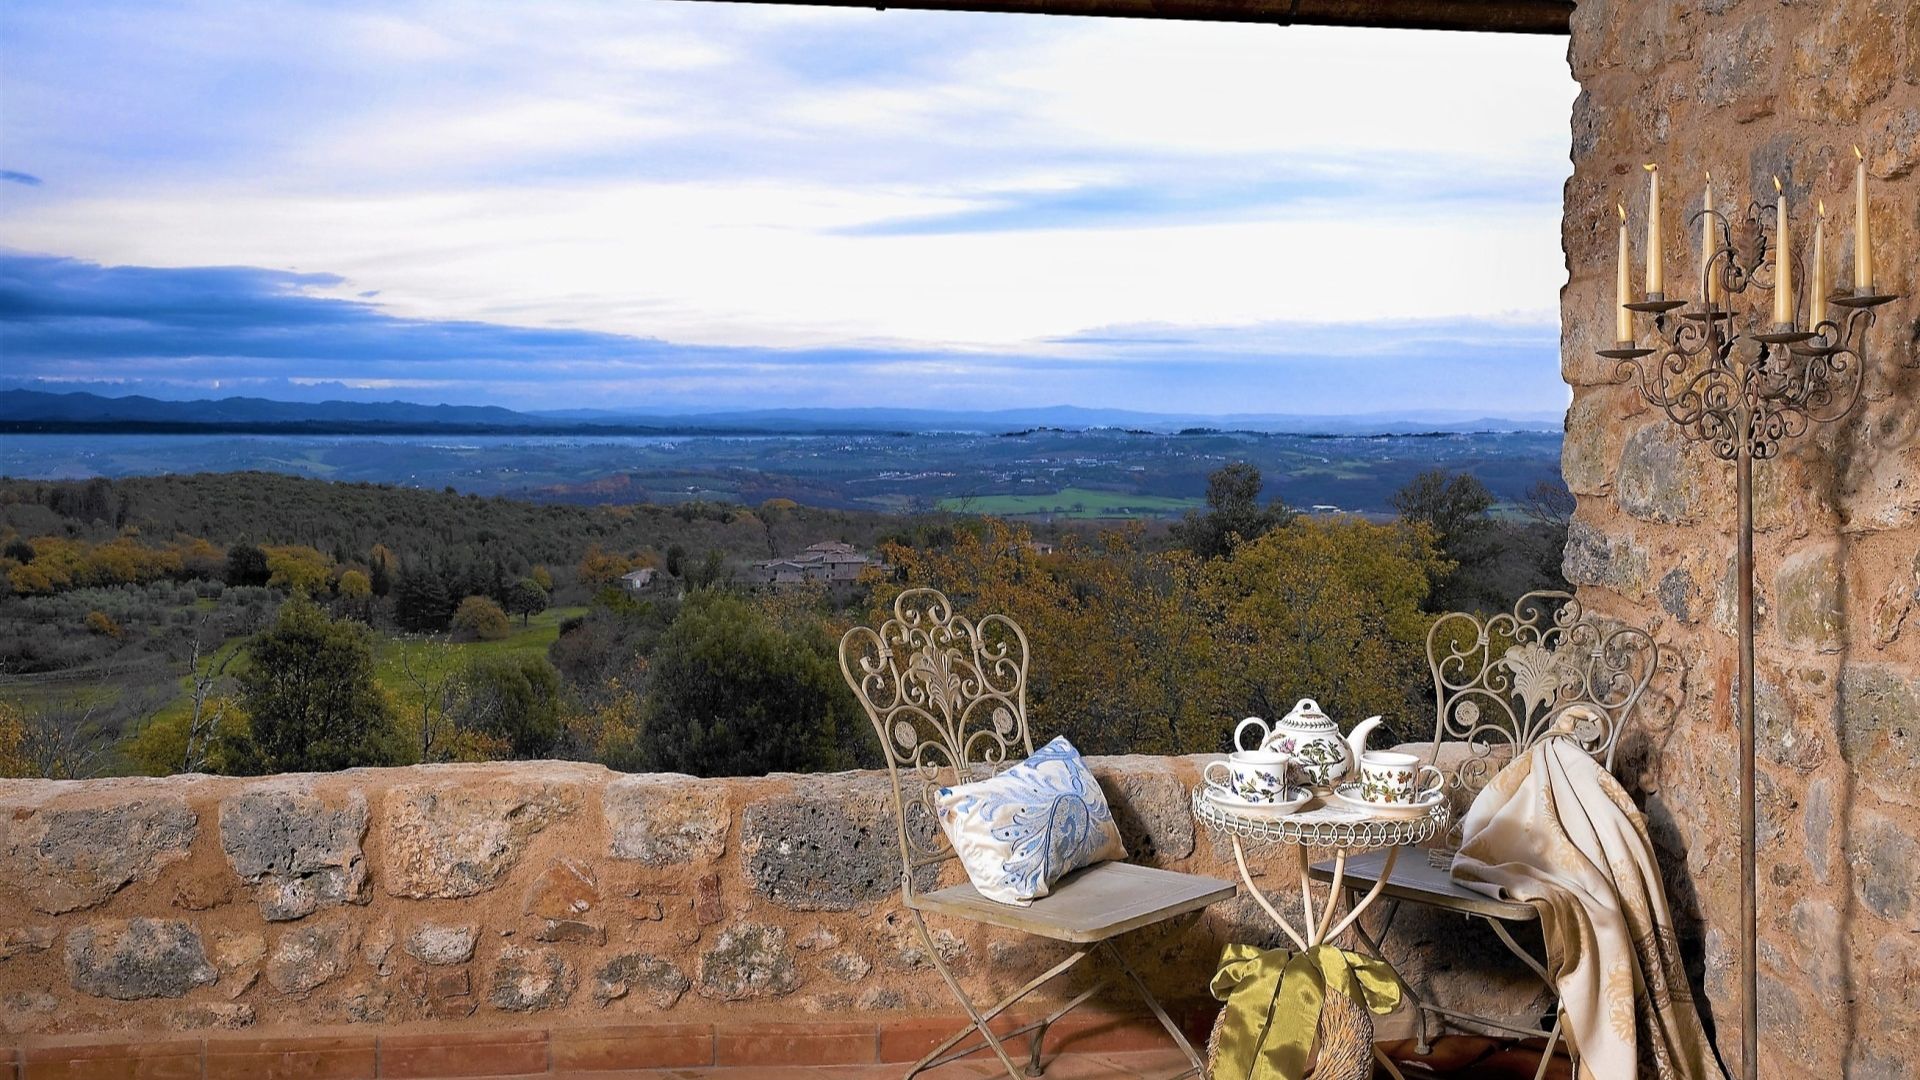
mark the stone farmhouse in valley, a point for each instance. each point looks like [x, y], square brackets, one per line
[829, 563]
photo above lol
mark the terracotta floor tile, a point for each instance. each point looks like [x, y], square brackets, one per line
[315, 1058]
[463, 1054]
[793, 1045]
[177, 1060]
[639, 1046]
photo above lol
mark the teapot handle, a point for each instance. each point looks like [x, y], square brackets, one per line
[1265, 734]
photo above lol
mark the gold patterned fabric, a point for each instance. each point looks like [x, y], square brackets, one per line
[1555, 830]
[1274, 997]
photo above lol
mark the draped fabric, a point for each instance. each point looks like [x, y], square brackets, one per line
[1555, 830]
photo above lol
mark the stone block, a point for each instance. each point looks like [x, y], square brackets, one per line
[311, 955]
[211, 1015]
[1880, 729]
[68, 857]
[1595, 556]
[131, 959]
[20, 940]
[1149, 804]
[1886, 868]
[828, 845]
[457, 839]
[442, 943]
[655, 978]
[1657, 478]
[531, 980]
[1809, 600]
[666, 820]
[748, 961]
[566, 889]
[298, 852]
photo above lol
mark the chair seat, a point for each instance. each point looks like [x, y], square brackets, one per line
[1415, 879]
[1093, 904]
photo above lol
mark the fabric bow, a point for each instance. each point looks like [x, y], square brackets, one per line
[1273, 1001]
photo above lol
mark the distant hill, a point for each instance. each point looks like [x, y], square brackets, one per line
[27, 411]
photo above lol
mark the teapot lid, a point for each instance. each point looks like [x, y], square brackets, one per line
[1306, 714]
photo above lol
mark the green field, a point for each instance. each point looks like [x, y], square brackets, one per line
[431, 658]
[1074, 503]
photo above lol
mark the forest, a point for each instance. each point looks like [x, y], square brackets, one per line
[251, 622]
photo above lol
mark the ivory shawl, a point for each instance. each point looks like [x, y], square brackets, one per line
[1555, 830]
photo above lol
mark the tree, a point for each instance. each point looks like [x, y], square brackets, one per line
[1323, 609]
[13, 742]
[526, 598]
[420, 601]
[542, 577]
[1234, 514]
[1453, 507]
[380, 567]
[19, 550]
[356, 588]
[247, 565]
[731, 694]
[309, 690]
[482, 618]
[296, 568]
[510, 701]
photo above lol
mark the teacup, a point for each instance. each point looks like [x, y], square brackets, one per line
[1391, 778]
[1255, 776]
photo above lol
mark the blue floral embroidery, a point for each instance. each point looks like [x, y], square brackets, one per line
[1049, 812]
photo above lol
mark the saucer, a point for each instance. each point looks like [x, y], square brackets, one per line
[1348, 795]
[1297, 797]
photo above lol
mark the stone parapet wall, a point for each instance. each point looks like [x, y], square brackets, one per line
[1750, 89]
[541, 895]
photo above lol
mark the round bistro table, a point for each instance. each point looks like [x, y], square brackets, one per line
[1344, 831]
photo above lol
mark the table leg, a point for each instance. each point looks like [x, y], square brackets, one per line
[1246, 875]
[1386, 871]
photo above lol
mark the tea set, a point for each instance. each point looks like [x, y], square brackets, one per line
[1307, 743]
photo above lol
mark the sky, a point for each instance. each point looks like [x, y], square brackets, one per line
[671, 205]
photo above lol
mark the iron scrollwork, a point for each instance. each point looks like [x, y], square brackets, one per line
[1545, 668]
[948, 698]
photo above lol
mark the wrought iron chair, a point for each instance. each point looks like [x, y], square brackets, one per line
[947, 697]
[1547, 669]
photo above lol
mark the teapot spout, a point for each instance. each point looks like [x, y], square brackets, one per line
[1357, 740]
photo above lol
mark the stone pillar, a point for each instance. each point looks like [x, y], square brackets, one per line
[1749, 89]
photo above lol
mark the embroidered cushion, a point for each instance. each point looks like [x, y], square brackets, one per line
[1021, 831]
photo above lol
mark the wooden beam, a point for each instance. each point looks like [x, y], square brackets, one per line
[1486, 16]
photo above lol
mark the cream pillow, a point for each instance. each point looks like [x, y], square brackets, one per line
[1021, 831]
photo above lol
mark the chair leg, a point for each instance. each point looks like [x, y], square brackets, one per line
[944, 1053]
[1140, 987]
[1546, 1056]
[1035, 1067]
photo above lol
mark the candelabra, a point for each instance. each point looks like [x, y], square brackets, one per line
[1743, 382]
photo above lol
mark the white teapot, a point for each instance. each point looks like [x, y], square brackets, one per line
[1313, 740]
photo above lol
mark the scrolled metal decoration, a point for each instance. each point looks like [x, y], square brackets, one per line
[948, 697]
[1546, 668]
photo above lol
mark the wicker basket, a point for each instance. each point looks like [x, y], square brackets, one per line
[1343, 1043]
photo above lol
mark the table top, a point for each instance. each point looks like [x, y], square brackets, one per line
[1322, 825]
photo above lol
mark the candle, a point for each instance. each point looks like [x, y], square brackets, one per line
[1707, 246]
[1782, 263]
[1862, 231]
[1623, 288]
[1817, 303]
[1656, 277]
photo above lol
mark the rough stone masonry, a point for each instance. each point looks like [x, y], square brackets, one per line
[1751, 89]
[541, 894]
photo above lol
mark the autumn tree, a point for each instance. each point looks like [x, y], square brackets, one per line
[356, 590]
[481, 618]
[1327, 609]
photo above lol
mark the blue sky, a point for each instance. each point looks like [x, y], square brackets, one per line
[682, 205]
